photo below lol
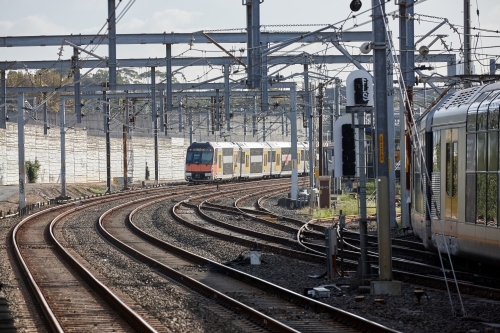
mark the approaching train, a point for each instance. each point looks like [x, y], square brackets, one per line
[455, 174]
[227, 161]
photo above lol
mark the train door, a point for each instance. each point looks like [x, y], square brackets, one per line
[451, 174]
[219, 163]
[236, 169]
[298, 160]
[265, 166]
[247, 162]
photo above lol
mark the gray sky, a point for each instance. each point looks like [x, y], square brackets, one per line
[51, 17]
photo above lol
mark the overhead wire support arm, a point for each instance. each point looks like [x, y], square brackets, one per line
[85, 51]
[286, 43]
[348, 55]
[223, 49]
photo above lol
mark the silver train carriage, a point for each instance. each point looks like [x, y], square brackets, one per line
[455, 175]
[226, 161]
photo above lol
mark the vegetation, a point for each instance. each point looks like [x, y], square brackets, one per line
[32, 170]
[96, 190]
[147, 171]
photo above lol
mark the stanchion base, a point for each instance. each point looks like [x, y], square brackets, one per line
[392, 288]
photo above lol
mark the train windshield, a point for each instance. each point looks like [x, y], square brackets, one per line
[199, 157]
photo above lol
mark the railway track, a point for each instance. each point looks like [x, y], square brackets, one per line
[268, 304]
[68, 293]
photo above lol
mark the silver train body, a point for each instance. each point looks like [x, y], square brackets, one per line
[455, 175]
[227, 161]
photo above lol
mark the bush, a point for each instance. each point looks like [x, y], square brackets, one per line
[32, 170]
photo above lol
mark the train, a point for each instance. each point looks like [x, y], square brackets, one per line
[208, 162]
[454, 175]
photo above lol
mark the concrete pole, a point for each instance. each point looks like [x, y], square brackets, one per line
[45, 126]
[264, 83]
[154, 115]
[227, 104]
[169, 84]
[403, 53]
[217, 110]
[309, 117]
[3, 101]
[105, 109]
[209, 120]
[62, 124]
[293, 124]
[256, 54]
[254, 118]
[20, 151]
[391, 138]
[179, 102]
[263, 127]
[383, 204]
[161, 115]
[320, 126]
[125, 152]
[76, 83]
[112, 44]
[250, 64]
[190, 125]
[467, 43]
[363, 228]
[245, 120]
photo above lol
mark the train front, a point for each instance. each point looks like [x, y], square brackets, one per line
[199, 163]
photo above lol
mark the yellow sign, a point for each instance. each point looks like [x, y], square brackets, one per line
[316, 172]
[381, 149]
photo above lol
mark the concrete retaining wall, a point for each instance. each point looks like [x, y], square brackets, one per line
[86, 156]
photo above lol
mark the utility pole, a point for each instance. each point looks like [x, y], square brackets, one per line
[62, 119]
[320, 126]
[125, 131]
[20, 151]
[3, 101]
[45, 127]
[76, 83]
[105, 108]
[168, 85]
[467, 43]
[112, 44]
[293, 124]
[154, 115]
[385, 285]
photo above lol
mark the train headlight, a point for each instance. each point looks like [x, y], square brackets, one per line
[208, 175]
[188, 174]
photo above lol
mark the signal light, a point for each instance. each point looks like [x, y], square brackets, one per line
[348, 151]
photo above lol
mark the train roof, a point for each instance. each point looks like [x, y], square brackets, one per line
[458, 104]
[252, 144]
[224, 144]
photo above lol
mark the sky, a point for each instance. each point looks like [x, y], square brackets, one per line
[56, 17]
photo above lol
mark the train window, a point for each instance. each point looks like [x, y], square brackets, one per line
[471, 152]
[481, 198]
[492, 203]
[470, 198]
[436, 152]
[481, 152]
[471, 120]
[493, 119]
[482, 120]
[493, 151]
